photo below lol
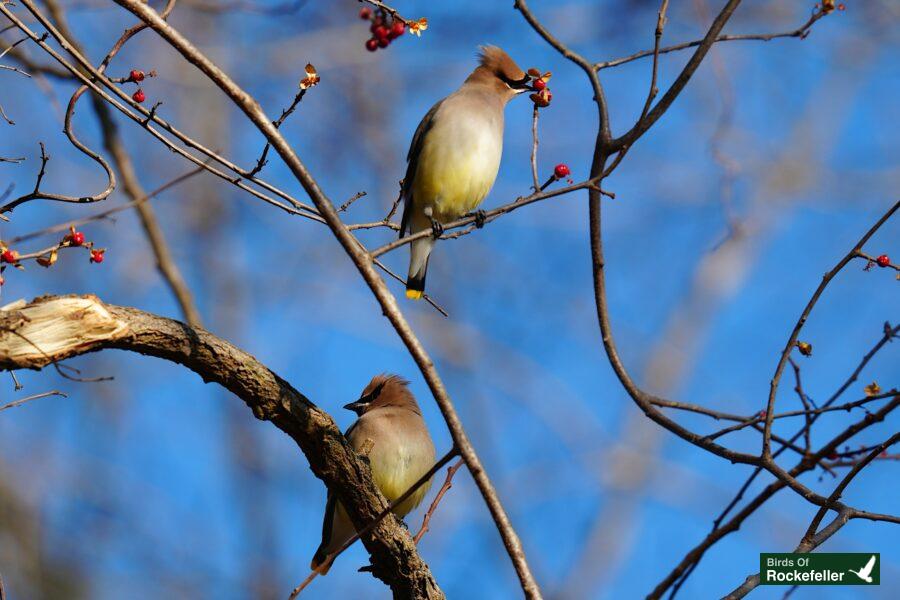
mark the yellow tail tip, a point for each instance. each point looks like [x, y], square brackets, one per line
[414, 294]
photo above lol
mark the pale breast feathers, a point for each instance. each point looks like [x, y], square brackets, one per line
[399, 457]
[459, 158]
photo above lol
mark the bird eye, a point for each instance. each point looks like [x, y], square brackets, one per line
[368, 398]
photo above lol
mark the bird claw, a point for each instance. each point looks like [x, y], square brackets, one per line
[480, 217]
[437, 229]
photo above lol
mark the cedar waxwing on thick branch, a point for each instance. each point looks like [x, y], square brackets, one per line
[455, 155]
[392, 435]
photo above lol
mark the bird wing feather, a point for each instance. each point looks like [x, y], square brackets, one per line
[412, 160]
[328, 522]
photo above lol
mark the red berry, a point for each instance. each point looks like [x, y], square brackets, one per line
[383, 42]
[139, 96]
[77, 238]
[883, 261]
[97, 256]
[398, 28]
[2, 281]
[561, 170]
[372, 45]
[9, 256]
[761, 414]
[365, 13]
[136, 75]
[376, 23]
[538, 84]
[381, 33]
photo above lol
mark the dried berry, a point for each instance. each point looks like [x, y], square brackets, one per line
[542, 98]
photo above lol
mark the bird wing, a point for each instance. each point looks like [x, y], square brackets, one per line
[867, 570]
[328, 522]
[331, 505]
[412, 160]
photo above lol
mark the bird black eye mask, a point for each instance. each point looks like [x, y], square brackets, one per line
[516, 84]
[370, 397]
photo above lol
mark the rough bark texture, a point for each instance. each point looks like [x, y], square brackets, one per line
[52, 328]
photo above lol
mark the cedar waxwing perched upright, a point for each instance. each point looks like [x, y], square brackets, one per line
[392, 434]
[455, 155]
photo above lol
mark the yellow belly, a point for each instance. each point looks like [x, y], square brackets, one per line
[394, 482]
[455, 172]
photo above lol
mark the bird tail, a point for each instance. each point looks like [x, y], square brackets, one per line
[419, 252]
[321, 562]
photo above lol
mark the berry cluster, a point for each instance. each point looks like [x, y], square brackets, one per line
[542, 95]
[828, 6]
[48, 257]
[136, 76]
[385, 28]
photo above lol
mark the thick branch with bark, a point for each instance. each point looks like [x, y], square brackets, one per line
[53, 328]
[363, 262]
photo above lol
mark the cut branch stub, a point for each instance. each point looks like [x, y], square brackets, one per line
[53, 328]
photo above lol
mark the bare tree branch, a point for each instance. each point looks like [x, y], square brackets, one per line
[363, 263]
[53, 328]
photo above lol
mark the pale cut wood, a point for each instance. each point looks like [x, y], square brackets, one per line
[55, 327]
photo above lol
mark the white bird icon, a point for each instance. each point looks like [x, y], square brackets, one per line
[866, 572]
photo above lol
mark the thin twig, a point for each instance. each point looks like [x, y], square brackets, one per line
[350, 202]
[804, 315]
[22, 401]
[263, 160]
[534, 147]
[801, 32]
[660, 26]
[448, 483]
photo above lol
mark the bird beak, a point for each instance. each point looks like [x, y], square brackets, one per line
[358, 407]
[519, 85]
[524, 84]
